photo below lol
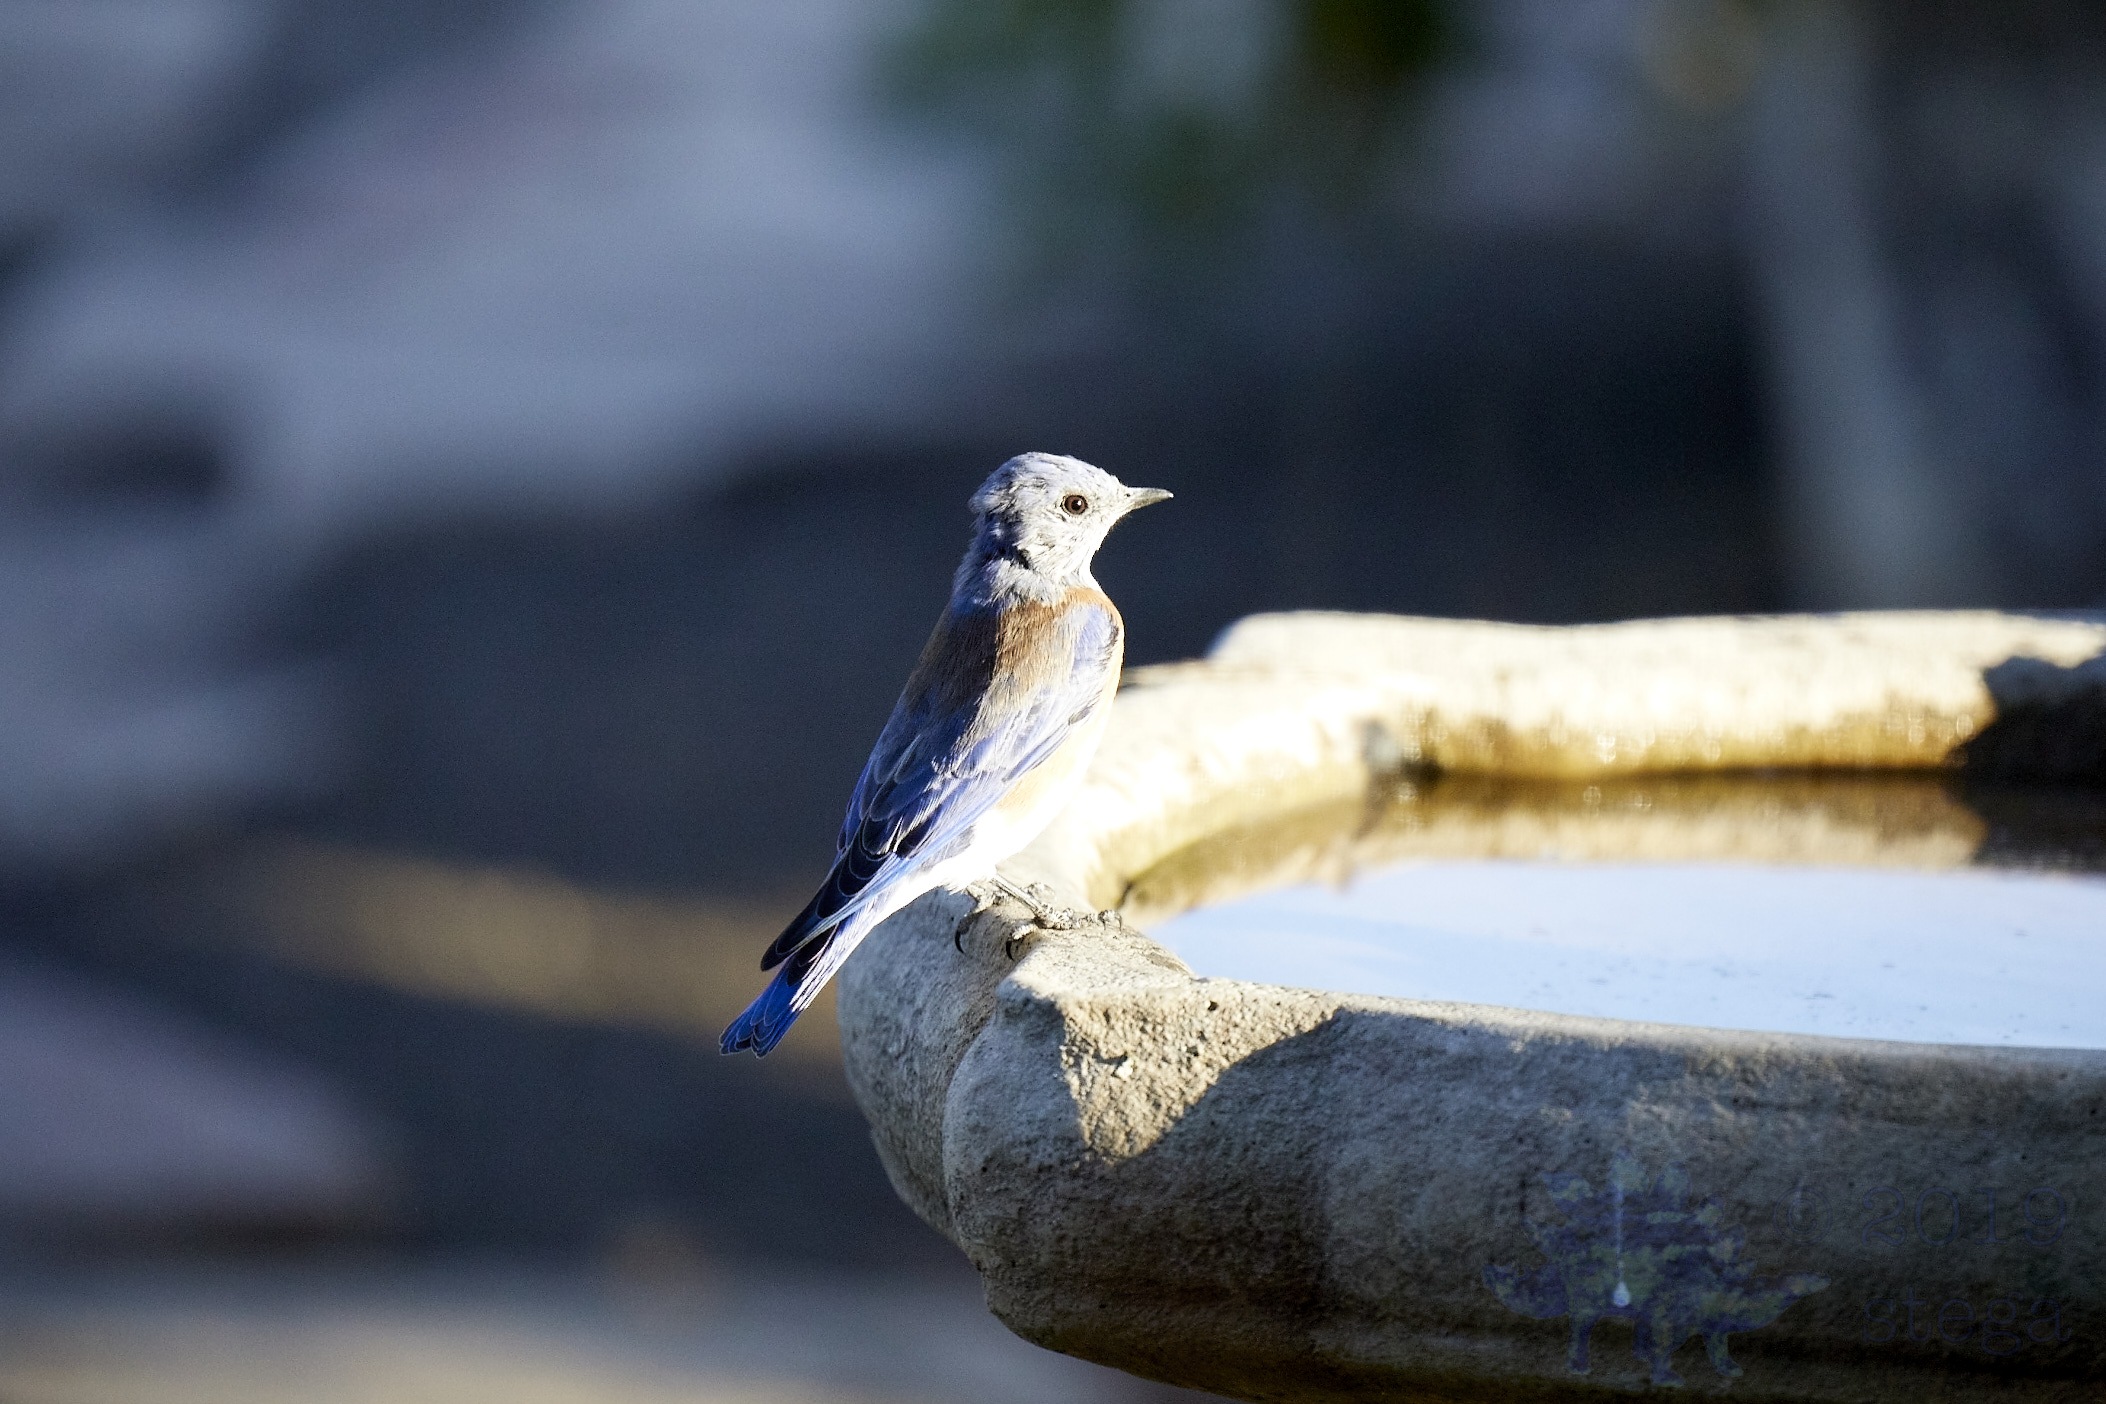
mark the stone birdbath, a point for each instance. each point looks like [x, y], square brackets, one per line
[1279, 1193]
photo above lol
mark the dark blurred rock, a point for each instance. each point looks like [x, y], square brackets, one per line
[2050, 723]
[119, 1117]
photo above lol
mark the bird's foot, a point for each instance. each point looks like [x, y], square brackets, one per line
[1048, 917]
[1045, 915]
[985, 895]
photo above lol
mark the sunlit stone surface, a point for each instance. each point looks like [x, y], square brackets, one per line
[1955, 957]
[1297, 1187]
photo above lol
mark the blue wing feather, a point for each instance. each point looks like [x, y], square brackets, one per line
[941, 763]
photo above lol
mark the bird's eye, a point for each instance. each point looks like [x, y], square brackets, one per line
[1074, 504]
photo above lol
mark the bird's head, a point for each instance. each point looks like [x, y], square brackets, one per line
[1046, 515]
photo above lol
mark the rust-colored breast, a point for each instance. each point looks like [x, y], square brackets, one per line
[1042, 654]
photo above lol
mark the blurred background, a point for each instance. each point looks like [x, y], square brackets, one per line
[474, 474]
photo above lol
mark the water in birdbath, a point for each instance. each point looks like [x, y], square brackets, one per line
[1896, 907]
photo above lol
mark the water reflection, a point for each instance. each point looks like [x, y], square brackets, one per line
[1850, 905]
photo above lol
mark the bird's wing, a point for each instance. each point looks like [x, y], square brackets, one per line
[962, 735]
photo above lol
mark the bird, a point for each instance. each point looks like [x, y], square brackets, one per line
[991, 735]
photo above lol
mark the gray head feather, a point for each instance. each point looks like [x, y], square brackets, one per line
[1038, 521]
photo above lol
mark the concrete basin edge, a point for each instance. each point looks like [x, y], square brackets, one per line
[1294, 1195]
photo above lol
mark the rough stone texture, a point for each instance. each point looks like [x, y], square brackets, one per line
[1289, 1195]
[1897, 689]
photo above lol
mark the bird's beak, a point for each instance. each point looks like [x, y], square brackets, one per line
[1137, 498]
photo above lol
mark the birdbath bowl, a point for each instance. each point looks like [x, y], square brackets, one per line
[1569, 1012]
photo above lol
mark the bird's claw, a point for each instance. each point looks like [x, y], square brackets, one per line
[984, 895]
[1044, 915]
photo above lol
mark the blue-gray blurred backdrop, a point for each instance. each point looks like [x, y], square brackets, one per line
[474, 472]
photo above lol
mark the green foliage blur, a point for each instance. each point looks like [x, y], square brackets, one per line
[1165, 126]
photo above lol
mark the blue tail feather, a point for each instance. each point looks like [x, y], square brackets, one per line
[768, 1018]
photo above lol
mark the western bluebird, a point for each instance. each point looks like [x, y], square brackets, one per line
[991, 735]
